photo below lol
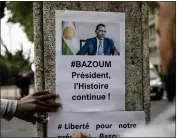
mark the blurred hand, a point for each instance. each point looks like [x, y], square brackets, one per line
[81, 135]
[34, 103]
[116, 52]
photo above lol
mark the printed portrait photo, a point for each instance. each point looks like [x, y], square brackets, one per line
[90, 38]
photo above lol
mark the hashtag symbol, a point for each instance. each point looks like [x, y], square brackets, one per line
[73, 64]
[59, 126]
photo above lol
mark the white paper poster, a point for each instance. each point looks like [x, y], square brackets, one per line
[98, 124]
[90, 76]
[90, 60]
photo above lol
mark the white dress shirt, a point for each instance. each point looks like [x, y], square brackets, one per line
[98, 43]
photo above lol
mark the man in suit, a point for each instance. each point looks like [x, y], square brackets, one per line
[99, 45]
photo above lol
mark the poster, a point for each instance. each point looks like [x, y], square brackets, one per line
[90, 76]
[90, 60]
[97, 124]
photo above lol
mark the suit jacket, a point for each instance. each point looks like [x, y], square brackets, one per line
[90, 47]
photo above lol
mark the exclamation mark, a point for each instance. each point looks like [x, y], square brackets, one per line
[108, 96]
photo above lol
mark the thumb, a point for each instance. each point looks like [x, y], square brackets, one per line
[76, 135]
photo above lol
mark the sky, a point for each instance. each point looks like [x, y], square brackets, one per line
[17, 36]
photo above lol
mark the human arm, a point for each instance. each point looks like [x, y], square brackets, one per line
[114, 50]
[84, 49]
[26, 107]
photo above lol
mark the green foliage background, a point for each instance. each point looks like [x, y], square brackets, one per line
[12, 64]
[22, 12]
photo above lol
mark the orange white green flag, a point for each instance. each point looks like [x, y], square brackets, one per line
[70, 43]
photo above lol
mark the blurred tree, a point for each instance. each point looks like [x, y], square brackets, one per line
[22, 12]
[153, 5]
[2, 7]
[11, 64]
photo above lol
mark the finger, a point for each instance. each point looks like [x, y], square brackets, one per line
[40, 93]
[44, 109]
[76, 135]
[48, 104]
[83, 135]
[48, 96]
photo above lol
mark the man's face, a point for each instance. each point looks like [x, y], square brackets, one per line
[101, 32]
[166, 29]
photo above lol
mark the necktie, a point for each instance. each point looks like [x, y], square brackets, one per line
[100, 51]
